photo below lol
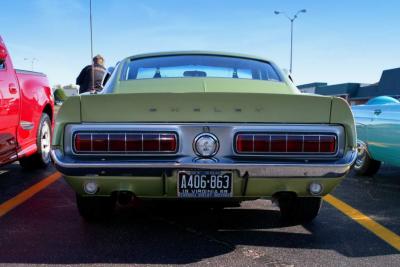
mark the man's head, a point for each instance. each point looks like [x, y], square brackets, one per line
[98, 60]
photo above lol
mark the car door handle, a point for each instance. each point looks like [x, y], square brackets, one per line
[12, 88]
[377, 111]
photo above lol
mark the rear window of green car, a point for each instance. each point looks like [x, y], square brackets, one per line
[189, 66]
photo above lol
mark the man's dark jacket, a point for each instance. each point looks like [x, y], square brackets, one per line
[84, 79]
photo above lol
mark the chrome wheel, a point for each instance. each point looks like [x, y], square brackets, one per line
[361, 155]
[42, 156]
[45, 141]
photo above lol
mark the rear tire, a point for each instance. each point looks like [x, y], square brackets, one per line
[299, 210]
[93, 208]
[365, 165]
[42, 157]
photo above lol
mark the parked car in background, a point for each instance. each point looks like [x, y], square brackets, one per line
[26, 115]
[378, 132]
[202, 126]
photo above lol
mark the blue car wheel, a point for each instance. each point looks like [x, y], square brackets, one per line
[365, 165]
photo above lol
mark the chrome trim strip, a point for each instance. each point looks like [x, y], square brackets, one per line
[27, 125]
[259, 170]
[286, 140]
[225, 132]
[128, 153]
[319, 143]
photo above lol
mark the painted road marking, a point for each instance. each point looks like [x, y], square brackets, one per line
[28, 193]
[379, 230]
[382, 232]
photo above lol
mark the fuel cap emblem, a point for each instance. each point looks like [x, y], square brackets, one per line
[206, 145]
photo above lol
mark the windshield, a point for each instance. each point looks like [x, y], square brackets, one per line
[186, 66]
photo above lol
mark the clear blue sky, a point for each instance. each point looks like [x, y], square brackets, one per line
[335, 41]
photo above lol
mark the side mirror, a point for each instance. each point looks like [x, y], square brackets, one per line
[3, 52]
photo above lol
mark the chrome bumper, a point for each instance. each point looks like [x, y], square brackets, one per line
[329, 169]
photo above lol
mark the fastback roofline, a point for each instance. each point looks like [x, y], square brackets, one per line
[199, 52]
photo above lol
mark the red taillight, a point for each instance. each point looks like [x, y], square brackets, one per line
[295, 143]
[134, 143]
[311, 143]
[244, 143]
[261, 143]
[83, 142]
[285, 143]
[278, 143]
[117, 142]
[125, 142]
[151, 142]
[327, 144]
[99, 142]
[167, 142]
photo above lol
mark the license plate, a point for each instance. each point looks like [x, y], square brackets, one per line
[204, 184]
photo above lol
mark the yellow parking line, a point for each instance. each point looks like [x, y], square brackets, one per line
[28, 193]
[379, 230]
[382, 232]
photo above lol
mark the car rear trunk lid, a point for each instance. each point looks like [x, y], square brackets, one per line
[206, 107]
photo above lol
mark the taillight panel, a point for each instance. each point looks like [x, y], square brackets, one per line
[285, 143]
[237, 142]
[125, 143]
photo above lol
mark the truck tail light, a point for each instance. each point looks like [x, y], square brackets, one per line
[129, 143]
[260, 143]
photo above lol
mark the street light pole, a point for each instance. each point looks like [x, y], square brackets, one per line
[292, 19]
[91, 42]
[291, 44]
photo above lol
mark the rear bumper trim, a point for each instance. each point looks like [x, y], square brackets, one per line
[327, 169]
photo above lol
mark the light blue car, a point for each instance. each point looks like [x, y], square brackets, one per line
[378, 132]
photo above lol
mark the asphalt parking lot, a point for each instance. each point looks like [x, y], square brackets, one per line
[45, 228]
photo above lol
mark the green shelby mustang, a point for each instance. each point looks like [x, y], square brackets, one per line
[216, 128]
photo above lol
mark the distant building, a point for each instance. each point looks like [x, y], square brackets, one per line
[70, 90]
[310, 87]
[358, 93]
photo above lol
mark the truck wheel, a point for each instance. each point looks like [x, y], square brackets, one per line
[94, 208]
[299, 210]
[365, 165]
[42, 157]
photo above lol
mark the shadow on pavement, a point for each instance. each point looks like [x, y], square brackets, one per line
[14, 179]
[50, 231]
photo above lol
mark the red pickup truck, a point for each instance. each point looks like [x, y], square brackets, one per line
[26, 115]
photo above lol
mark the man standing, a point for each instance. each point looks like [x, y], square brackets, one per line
[89, 80]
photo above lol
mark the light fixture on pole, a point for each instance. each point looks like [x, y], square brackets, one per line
[32, 60]
[292, 19]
